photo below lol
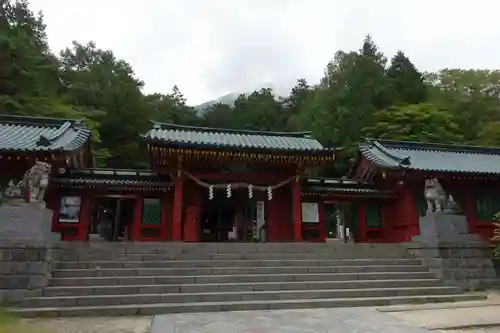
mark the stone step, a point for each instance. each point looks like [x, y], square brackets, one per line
[231, 256]
[226, 287]
[162, 308]
[127, 272]
[233, 263]
[228, 248]
[96, 300]
[204, 279]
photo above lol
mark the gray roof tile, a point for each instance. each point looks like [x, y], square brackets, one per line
[111, 178]
[204, 137]
[31, 134]
[343, 187]
[432, 157]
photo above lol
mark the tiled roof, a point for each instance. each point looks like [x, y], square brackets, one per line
[204, 137]
[432, 157]
[343, 187]
[31, 134]
[109, 178]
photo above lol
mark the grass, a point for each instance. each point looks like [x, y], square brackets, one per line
[12, 324]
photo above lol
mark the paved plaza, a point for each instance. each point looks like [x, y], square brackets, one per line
[438, 318]
[344, 320]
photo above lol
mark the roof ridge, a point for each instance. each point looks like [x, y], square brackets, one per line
[437, 146]
[405, 160]
[166, 126]
[37, 121]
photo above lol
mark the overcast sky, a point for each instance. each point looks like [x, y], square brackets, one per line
[212, 47]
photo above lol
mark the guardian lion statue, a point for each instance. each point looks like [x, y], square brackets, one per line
[36, 180]
[437, 199]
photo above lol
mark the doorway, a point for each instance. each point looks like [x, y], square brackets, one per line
[217, 218]
[341, 221]
[112, 219]
[228, 219]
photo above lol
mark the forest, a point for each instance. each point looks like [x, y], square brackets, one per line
[363, 93]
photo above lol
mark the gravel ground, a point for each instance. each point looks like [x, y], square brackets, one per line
[92, 325]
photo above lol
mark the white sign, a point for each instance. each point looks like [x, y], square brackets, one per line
[69, 211]
[260, 216]
[310, 212]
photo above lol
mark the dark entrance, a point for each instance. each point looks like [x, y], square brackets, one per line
[112, 219]
[341, 220]
[228, 219]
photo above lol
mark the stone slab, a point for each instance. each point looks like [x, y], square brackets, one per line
[454, 318]
[286, 321]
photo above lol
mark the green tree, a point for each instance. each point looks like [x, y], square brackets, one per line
[418, 122]
[472, 96]
[106, 90]
[298, 99]
[489, 135]
[260, 111]
[29, 80]
[408, 82]
[354, 87]
[219, 115]
[171, 108]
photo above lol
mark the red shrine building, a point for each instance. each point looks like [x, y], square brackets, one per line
[218, 185]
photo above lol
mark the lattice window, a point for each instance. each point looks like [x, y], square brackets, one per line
[486, 207]
[373, 217]
[151, 211]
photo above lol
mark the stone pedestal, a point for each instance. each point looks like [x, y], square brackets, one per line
[441, 227]
[452, 253]
[26, 222]
[26, 243]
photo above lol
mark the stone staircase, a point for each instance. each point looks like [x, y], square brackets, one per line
[96, 279]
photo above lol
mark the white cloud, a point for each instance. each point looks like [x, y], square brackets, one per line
[211, 47]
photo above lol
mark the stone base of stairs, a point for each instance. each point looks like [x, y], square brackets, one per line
[165, 308]
[144, 279]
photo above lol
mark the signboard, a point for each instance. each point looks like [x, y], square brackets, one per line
[69, 211]
[260, 216]
[310, 212]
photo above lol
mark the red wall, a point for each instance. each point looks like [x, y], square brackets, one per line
[480, 227]
[279, 215]
[402, 216]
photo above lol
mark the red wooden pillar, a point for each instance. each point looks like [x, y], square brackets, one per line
[296, 210]
[409, 212]
[177, 210]
[137, 220]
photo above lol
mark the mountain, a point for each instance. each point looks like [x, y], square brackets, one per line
[226, 99]
[280, 92]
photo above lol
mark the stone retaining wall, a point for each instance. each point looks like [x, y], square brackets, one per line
[24, 270]
[467, 265]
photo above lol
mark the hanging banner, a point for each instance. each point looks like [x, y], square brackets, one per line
[310, 212]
